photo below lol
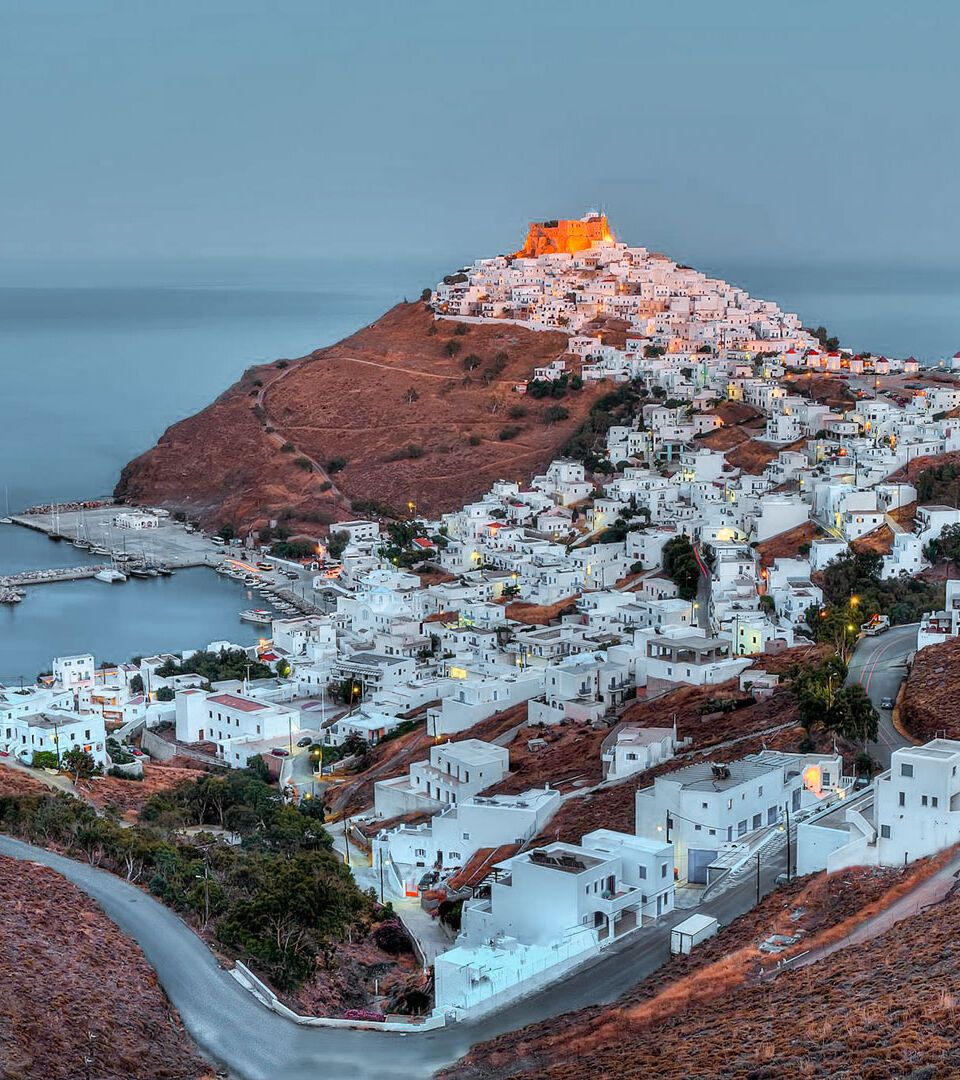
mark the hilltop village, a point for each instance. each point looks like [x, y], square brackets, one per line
[591, 704]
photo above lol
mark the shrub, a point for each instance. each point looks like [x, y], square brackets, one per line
[460, 329]
[414, 451]
[474, 440]
[44, 759]
[287, 448]
[121, 775]
[282, 364]
[165, 693]
[326, 485]
[303, 463]
[518, 412]
[452, 348]
[335, 465]
[555, 413]
[507, 433]
[425, 295]
[471, 361]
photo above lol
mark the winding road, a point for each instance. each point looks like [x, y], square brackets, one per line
[879, 664]
[233, 1028]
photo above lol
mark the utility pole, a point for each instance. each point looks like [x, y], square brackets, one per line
[788, 844]
[758, 877]
[346, 843]
[381, 874]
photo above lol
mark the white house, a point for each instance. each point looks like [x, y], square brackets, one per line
[73, 671]
[630, 749]
[57, 731]
[703, 807]
[452, 837]
[550, 909]
[453, 772]
[228, 718]
[912, 811]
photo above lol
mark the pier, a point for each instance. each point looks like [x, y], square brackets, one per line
[48, 577]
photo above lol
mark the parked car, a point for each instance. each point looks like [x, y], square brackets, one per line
[305, 741]
[886, 703]
[861, 782]
[278, 751]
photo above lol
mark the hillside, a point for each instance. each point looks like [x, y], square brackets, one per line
[886, 1012]
[928, 707]
[409, 409]
[79, 999]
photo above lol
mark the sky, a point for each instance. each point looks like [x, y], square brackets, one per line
[296, 128]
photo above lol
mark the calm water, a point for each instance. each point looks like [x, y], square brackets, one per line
[96, 360]
[115, 622]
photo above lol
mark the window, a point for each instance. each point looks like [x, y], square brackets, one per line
[906, 770]
[885, 831]
[713, 832]
[465, 836]
[760, 791]
[420, 852]
[697, 828]
[741, 827]
[663, 870]
[757, 821]
[454, 856]
[703, 806]
[933, 800]
[642, 872]
[729, 804]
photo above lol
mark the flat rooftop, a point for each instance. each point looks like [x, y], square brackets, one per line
[701, 776]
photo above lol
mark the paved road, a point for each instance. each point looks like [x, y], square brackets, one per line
[879, 666]
[231, 1027]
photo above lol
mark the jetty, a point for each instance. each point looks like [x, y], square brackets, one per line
[49, 577]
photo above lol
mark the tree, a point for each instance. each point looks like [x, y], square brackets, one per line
[136, 684]
[680, 565]
[79, 763]
[852, 715]
[554, 413]
[165, 693]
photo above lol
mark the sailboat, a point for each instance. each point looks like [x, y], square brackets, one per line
[81, 540]
[6, 519]
[55, 533]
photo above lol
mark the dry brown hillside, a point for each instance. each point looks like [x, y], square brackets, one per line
[79, 1000]
[400, 402]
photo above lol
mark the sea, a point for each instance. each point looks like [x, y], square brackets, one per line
[97, 359]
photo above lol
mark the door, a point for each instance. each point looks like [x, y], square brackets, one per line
[698, 859]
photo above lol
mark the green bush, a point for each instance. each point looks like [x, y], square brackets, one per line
[507, 433]
[303, 463]
[335, 465]
[44, 759]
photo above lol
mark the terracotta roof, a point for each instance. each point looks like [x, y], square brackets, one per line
[232, 701]
[479, 866]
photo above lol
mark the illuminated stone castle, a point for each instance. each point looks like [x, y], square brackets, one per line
[567, 236]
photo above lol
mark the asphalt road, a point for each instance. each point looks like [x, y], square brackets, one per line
[878, 664]
[231, 1027]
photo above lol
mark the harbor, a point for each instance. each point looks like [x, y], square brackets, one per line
[187, 605]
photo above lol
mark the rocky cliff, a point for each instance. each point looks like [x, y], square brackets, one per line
[407, 410]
